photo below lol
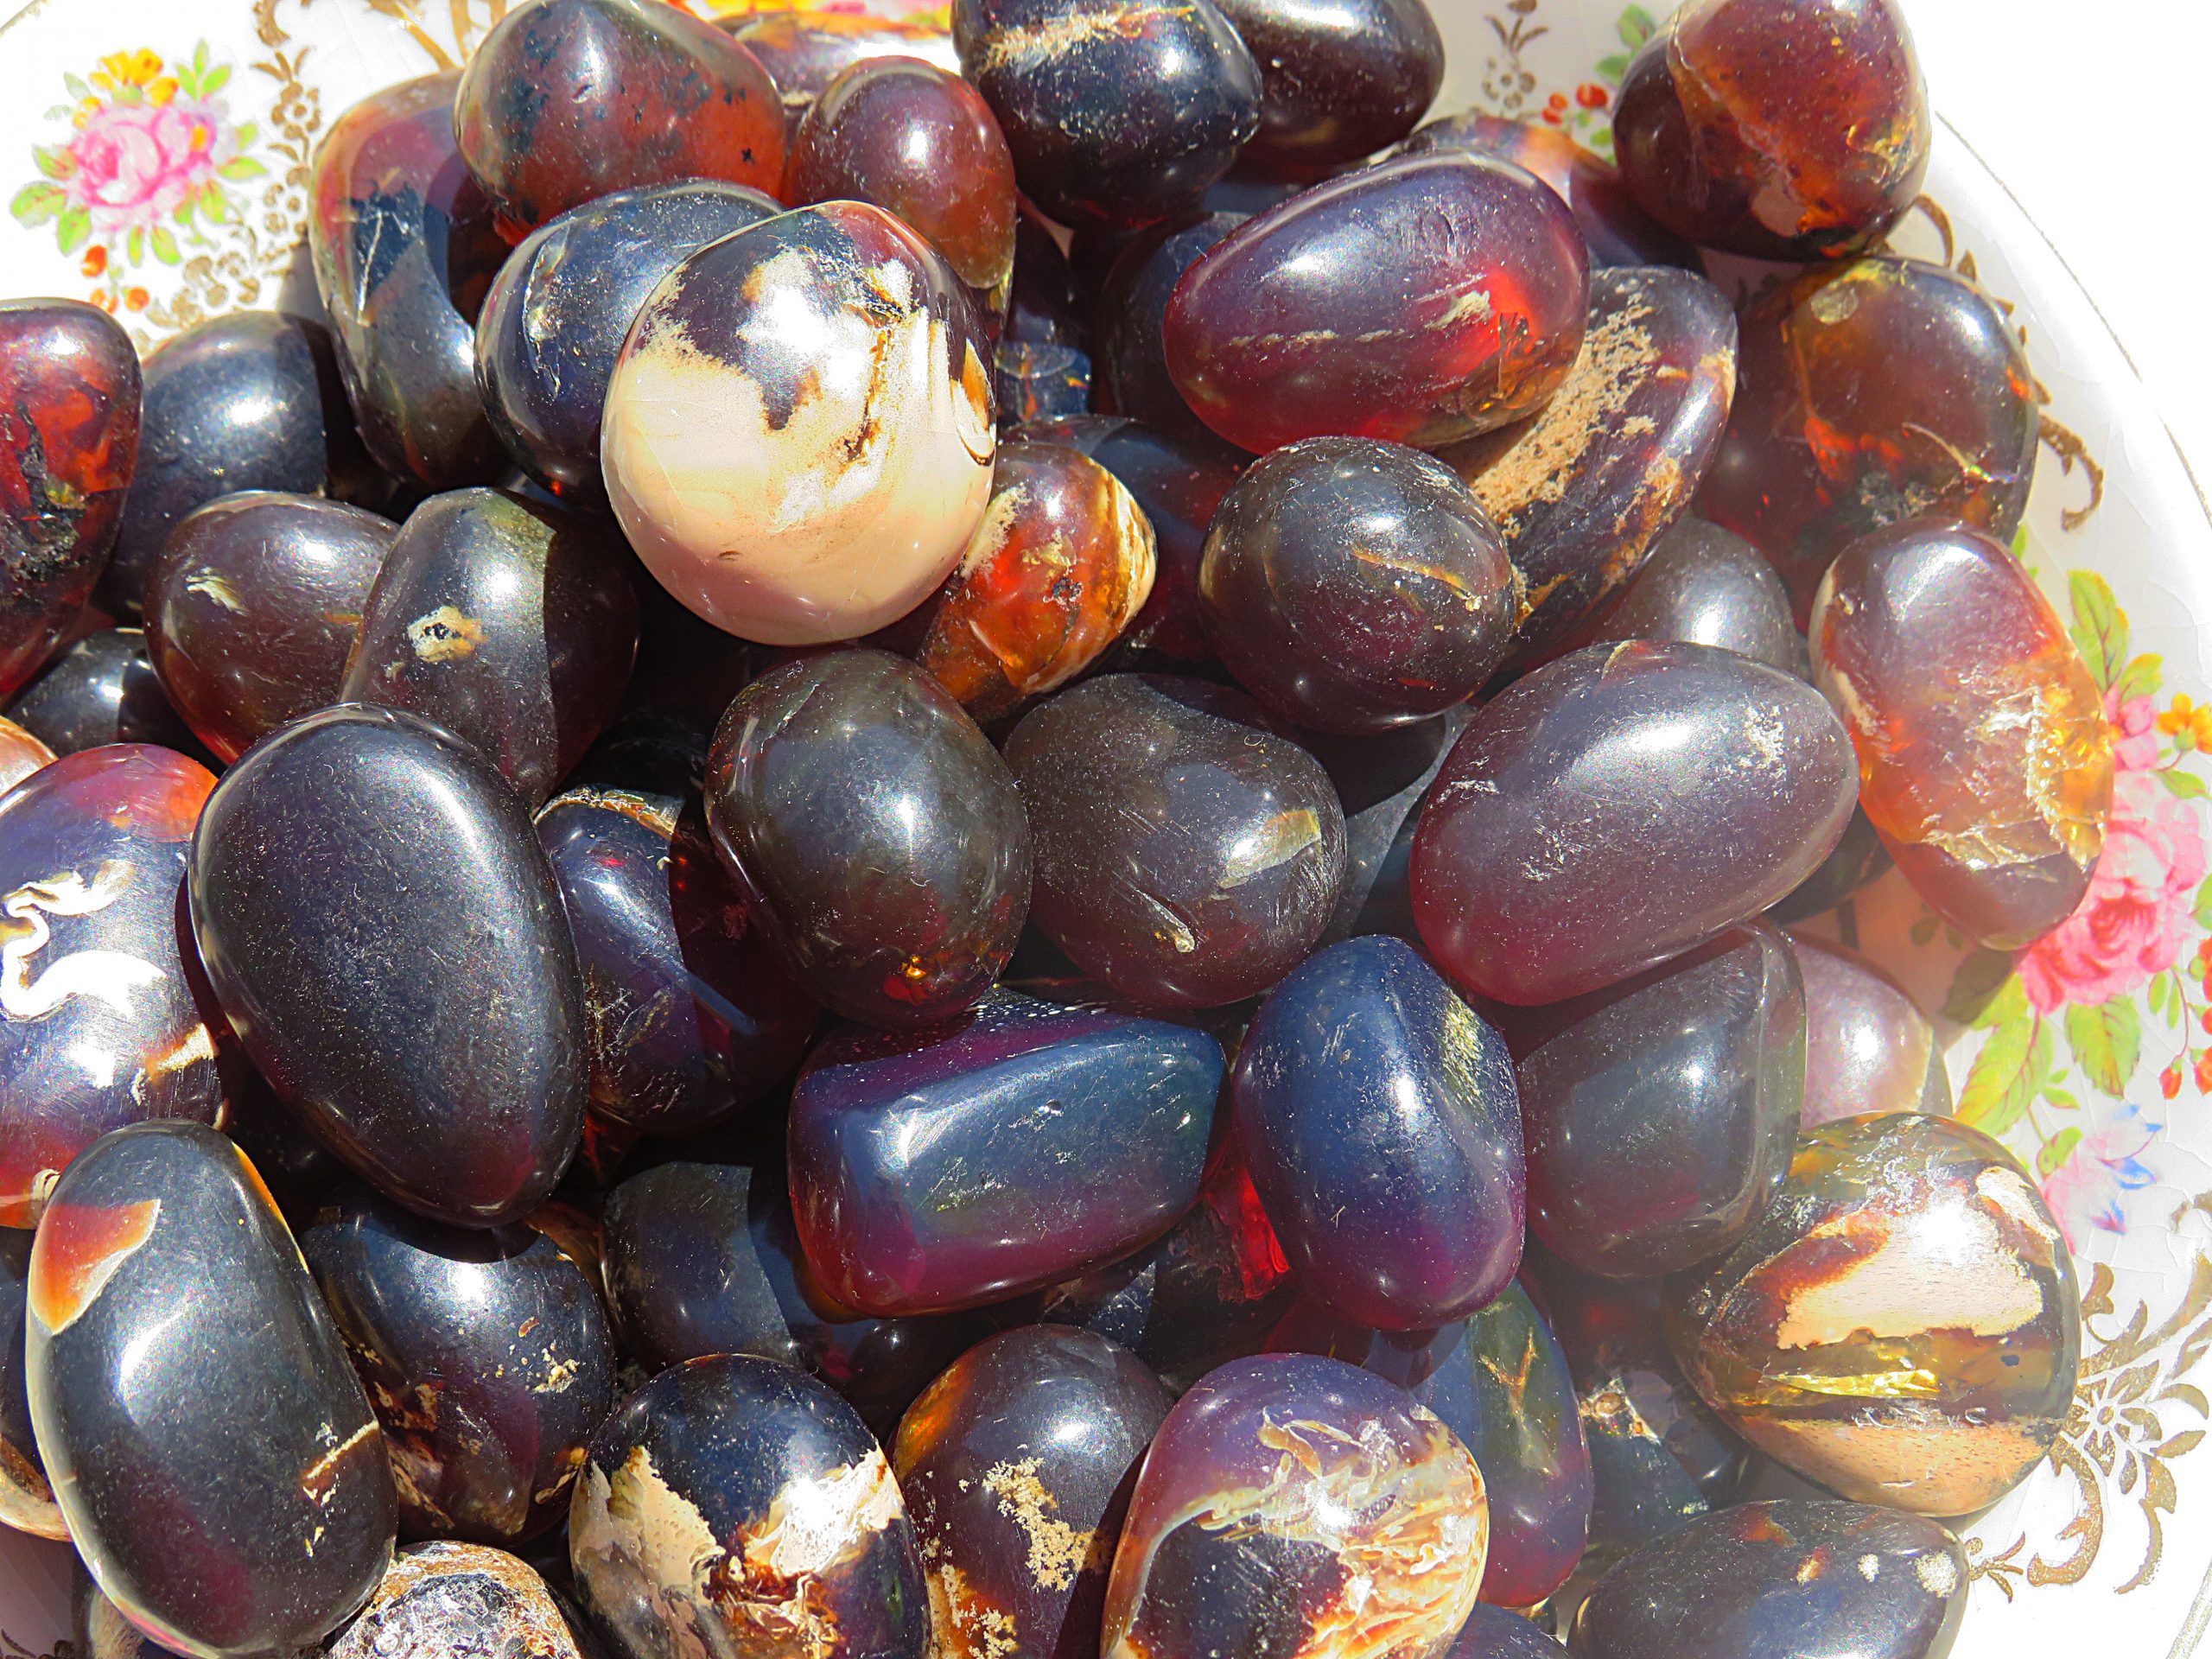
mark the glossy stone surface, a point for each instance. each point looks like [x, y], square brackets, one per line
[1131, 314]
[447, 1597]
[691, 1013]
[948, 1168]
[1792, 130]
[1867, 393]
[878, 832]
[26, 1495]
[798, 432]
[102, 690]
[390, 947]
[1789, 1578]
[557, 312]
[1351, 585]
[509, 624]
[1582, 492]
[1295, 1504]
[804, 50]
[1337, 82]
[403, 248]
[1868, 1049]
[1382, 780]
[1378, 1115]
[1061, 565]
[1619, 231]
[919, 142]
[1985, 756]
[1015, 1464]
[733, 1505]
[68, 444]
[161, 1263]
[1901, 1326]
[485, 1353]
[253, 607]
[566, 100]
[1661, 1118]
[1118, 113]
[1495, 1633]
[1185, 855]
[1290, 329]
[250, 401]
[1498, 1380]
[1858, 859]
[1703, 584]
[1618, 806]
[100, 1024]
[20, 754]
[1040, 382]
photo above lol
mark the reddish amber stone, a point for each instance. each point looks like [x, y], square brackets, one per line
[1867, 393]
[1868, 1048]
[1780, 129]
[1985, 758]
[1131, 312]
[920, 142]
[1422, 301]
[1582, 492]
[1337, 81]
[1707, 586]
[1061, 563]
[68, 443]
[804, 51]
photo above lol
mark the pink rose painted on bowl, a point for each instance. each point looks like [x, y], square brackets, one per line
[2135, 737]
[135, 163]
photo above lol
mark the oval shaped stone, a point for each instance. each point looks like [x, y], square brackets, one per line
[454, 1598]
[735, 1505]
[390, 947]
[1985, 755]
[1618, 806]
[945, 1168]
[1420, 299]
[1868, 1047]
[1788, 1578]
[804, 50]
[253, 607]
[1377, 1112]
[799, 433]
[877, 830]
[555, 319]
[1902, 1325]
[1662, 1115]
[20, 754]
[26, 1495]
[68, 445]
[103, 689]
[509, 624]
[486, 1355]
[1118, 115]
[161, 1263]
[405, 247]
[101, 1023]
[1185, 855]
[1289, 1498]
[1581, 491]
[1337, 83]
[1015, 1465]
[1130, 314]
[691, 1013]
[1711, 588]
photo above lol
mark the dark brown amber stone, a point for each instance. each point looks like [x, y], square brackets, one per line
[1867, 393]
[804, 50]
[1185, 855]
[99, 1024]
[405, 248]
[917, 141]
[1337, 82]
[1499, 1633]
[879, 833]
[454, 1598]
[1868, 1048]
[161, 1263]
[1711, 588]
[1422, 301]
[1131, 313]
[20, 754]
[566, 100]
[1582, 492]
[254, 607]
[1015, 1464]
[1788, 1578]
[1618, 806]
[1780, 129]
[1902, 1325]
[103, 689]
[68, 443]
[485, 1353]
[1985, 756]
[1351, 585]
[509, 623]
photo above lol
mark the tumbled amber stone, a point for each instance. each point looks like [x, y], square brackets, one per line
[1985, 758]
[1902, 1325]
[1868, 1048]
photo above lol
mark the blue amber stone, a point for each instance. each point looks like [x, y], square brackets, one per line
[1379, 1116]
[1005, 1150]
